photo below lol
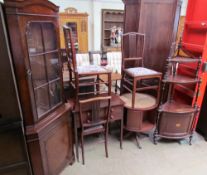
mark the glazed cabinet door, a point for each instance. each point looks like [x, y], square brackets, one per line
[44, 72]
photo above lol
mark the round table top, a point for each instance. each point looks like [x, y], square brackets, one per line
[142, 101]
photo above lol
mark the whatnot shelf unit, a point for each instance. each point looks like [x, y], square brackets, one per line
[176, 117]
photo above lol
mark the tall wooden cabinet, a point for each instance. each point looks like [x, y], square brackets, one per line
[79, 24]
[158, 19]
[34, 38]
[13, 151]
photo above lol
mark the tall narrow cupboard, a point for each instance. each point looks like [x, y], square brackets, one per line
[34, 37]
[14, 158]
[158, 20]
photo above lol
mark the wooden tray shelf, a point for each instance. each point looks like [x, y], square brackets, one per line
[180, 79]
[175, 107]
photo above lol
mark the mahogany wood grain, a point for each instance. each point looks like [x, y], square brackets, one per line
[146, 16]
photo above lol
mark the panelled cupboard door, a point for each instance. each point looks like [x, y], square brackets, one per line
[158, 20]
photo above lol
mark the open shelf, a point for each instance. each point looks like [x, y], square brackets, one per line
[176, 107]
[147, 126]
[185, 90]
[180, 79]
[142, 101]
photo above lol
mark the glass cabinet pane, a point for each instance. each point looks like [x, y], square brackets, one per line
[42, 100]
[52, 66]
[44, 65]
[34, 38]
[55, 93]
[49, 35]
[38, 70]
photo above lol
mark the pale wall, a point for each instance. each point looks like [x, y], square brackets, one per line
[93, 8]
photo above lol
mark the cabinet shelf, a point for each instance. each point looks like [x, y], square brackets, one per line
[180, 79]
[176, 107]
[185, 90]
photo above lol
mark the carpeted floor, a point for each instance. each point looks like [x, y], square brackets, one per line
[166, 158]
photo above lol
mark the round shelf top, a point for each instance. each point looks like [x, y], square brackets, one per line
[142, 101]
[176, 107]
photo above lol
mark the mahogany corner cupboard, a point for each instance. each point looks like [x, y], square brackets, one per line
[34, 39]
[158, 20]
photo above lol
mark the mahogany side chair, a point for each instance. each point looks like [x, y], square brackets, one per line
[135, 77]
[140, 86]
[80, 75]
[93, 120]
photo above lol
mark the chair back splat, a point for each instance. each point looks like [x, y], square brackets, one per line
[133, 50]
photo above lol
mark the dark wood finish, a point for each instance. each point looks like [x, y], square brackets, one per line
[136, 78]
[146, 16]
[97, 120]
[14, 157]
[111, 18]
[34, 38]
[13, 150]
[30, 13]
[180, 79]
[76, 73]
[133, 47]
[176, 118]
[50, 142]
[117, 113]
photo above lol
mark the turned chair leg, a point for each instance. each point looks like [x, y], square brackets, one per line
[137, 140]
[121, 134]
[106, 143]
[82, 148]
[155, 137]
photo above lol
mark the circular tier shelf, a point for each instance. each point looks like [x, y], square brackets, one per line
[180, 79]
[176, 107]
[184, 60]
[142, 101]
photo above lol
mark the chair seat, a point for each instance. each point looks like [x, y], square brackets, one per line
[142, 101]
[90, 69]
[93, 130]
[141, 71]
